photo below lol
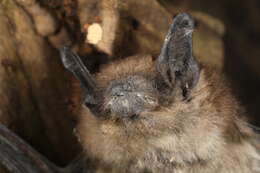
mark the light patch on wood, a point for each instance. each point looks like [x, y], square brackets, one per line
[94, 33]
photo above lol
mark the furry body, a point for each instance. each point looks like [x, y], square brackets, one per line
[165, 115]
[204, 134]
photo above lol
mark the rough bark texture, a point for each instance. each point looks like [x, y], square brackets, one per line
[32, 88]
[35, 89]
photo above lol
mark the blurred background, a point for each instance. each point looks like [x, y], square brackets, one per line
[38, 99]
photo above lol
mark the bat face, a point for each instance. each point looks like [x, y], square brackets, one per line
[130, 96]
[168, 115]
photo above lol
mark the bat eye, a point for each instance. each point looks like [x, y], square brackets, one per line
[119, 94]
[185, 23]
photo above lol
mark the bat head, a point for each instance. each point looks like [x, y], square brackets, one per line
[129, 89]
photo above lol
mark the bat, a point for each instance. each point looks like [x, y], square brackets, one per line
[168, 115]
[172, 114]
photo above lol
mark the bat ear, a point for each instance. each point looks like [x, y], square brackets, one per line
[176, 64]
[73, 63]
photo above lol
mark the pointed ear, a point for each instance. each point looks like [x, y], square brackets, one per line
[73, 63]
[176, 64]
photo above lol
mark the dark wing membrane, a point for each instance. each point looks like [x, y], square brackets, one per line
[18, 157]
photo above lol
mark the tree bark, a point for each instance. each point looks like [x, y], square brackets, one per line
[33, 87]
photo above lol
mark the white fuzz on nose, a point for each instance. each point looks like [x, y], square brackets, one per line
[125, 103]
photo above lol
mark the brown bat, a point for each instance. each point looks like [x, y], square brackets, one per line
[169, 115]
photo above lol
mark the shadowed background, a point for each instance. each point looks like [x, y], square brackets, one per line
[37, 100]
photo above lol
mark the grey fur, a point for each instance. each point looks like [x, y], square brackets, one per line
[130, 96]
